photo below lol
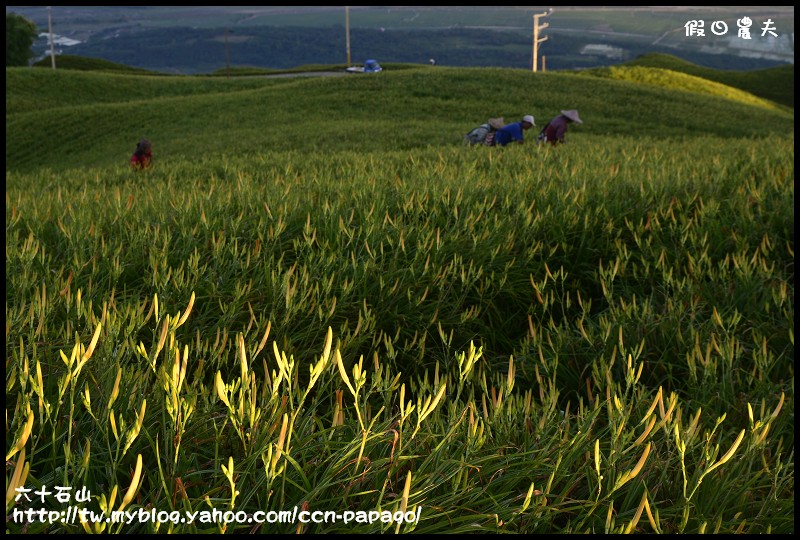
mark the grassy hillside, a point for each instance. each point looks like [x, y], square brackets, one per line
[48, 112]
[668, 79]
[318, 299]
[775, 84]
[36, 90]
[82, 63]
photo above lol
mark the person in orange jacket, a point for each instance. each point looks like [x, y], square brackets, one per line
[142, 158]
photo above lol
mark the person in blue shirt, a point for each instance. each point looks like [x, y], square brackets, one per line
[513, 132]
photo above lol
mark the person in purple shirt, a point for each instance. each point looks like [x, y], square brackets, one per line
[556, 129]
[513, 132]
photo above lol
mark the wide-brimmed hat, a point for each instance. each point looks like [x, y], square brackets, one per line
[497, 123]
[529, 119]
[572, 114]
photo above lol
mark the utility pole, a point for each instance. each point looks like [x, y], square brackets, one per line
[347, 31]
[227, 55]
[52, 46]
[536, 38]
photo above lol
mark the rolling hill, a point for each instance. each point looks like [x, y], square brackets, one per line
[776, 84]
[68, 118]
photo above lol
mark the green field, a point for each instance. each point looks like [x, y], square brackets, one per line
[320, 299]
[772, 84]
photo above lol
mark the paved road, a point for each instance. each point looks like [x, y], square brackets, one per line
[308, 74]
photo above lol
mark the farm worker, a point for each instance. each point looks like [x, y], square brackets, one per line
[556, 128]
[484, 133]
[513, 132]
[143, 156]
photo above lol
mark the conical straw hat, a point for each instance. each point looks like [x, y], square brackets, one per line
[572, 114]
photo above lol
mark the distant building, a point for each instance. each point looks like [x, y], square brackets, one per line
[780, 48]
[41, 48]
[596, 49]
[59, 40]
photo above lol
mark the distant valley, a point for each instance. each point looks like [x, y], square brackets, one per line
[205, 39]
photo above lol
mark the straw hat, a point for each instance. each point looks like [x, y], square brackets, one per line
[497, 123]
[572, 114]
[529, 119]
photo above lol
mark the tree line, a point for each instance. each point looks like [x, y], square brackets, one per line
[20, 35]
